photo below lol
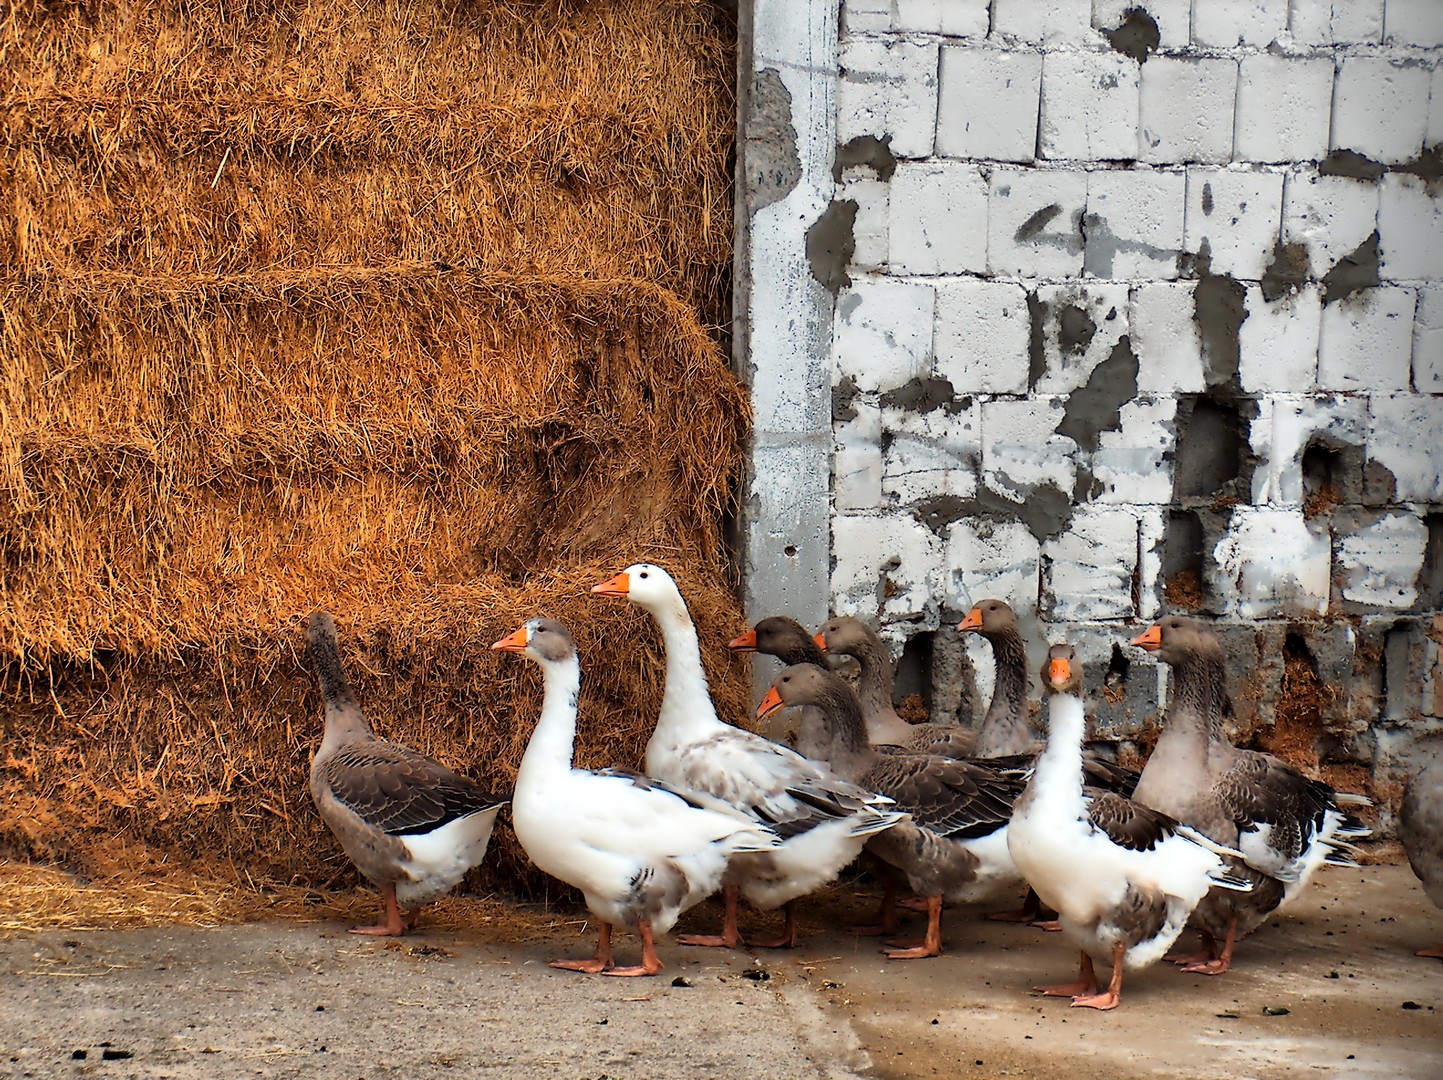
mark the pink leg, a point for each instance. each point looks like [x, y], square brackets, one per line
[1209, 951]
[601, 962]
[1220, 963]
[650, 962]
[392, 927]
[932, 943]
[730, 937]
[787, 939]
[1086, 982]
[886, 920]
[1113, 994]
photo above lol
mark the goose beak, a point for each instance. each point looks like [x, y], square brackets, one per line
[744, 642]
[770, 704]
[1150, 639]
[821, 641]
[973, 621]
[515, 642]
[617, 586]
[1059, 671]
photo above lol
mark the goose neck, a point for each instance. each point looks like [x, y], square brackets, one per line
[553, 743]
[686, 699]
[1004, 728]
[1059, 767]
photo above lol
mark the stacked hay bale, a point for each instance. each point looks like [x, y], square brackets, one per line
[404, 310]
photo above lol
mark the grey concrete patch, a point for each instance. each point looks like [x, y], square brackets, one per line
[773, 168]
[1354, 272]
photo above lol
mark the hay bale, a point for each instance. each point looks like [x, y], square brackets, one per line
[400, 312]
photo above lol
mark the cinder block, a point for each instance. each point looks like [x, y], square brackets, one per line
[1284, 107]
[1280, 566]
[888, 88]
[869, 228]
[1186, 112]
[1332, 215]
[1051, 21]
[1021, 450]
[1133, 462]
[1089, 106]
[1237, 215]
[1286, 425]
[938, 218]
[1082, 325]
[1034, 223]
[1151, 537]
[988, 104]
[1173, 18]
[932, 453]
[983, 330]
[1410, 229]
[1380, 108]
[1134, 223]
[857, 457]
[1379, 562]
[1335, 22]
[1406, 437]
[1087, 569]
[956, 18]
[1366, 341]
[1225, 24]
[1166, 339]
[866, 16]
[1428, 340]
[1413, 22]
[991, 559]
[1278, 341]
[887, 567]
[883, 332]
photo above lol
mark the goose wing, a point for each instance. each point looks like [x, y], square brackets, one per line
[400, 792]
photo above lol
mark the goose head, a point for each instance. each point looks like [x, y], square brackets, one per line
[800, 684]
[1062, 671]
[644, 583]
[845, 634]
[776, 635]
[989, 618]
[543, 640]
[1175, 638]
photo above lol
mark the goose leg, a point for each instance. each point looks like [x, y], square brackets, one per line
[1030, 911]
[1223, 960]
[601, 962]
[931, 944]
[650, 962]
[392, 927]
[787, 939]
[1085, 986]
[886, 920]
[730, 937]
[1110, 998]
[1208, 952]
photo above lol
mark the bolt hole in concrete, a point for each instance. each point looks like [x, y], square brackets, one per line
[790, 551]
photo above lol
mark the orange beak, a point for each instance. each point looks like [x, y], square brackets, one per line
[617, 586]
[821, 641]
[743, 642]
[1059, 671]
[973, 621]
[770, 704]
[1150, 639]
[513, 642]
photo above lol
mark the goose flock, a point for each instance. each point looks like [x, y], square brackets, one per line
[1208, 836]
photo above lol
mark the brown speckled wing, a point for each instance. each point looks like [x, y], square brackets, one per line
[1126, 823]
[400, 791]
[946, 740]
[948, 797]
[1259, 788]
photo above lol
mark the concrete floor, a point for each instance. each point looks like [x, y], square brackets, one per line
[287, 999]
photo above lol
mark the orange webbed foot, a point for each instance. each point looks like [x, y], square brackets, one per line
[1106, 1000]
[592, 966]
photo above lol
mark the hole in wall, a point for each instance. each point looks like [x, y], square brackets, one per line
[912, 691]
[1183, 560]
[1322, 479]
[1430, 577]
[1398, 696]
[1298, 714]
[1209, 449]
[1114, 679]
[790, 551]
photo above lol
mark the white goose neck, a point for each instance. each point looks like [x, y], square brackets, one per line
[1060, 765]
[686, 701]
[553, 743]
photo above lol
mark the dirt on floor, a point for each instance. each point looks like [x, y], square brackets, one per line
[1330, 989]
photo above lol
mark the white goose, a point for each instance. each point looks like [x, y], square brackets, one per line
[641, 852]
[1123, 878]
[823, 821]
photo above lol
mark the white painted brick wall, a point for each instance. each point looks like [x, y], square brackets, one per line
[1087, 568]
[1332, 215]
[862, 16]
[1021, 448]
[1413, 22]
[1067, 365]
[884, 332]
[937, 218]
[1380, 561]
[1433, 135]
[1173, 18]
[1284, 108]
[996, 559]
[1225, 23]
[1089, 106]
[959, 18]
[869, 228]
[1133, 463]
[1278, 341]
[1238, 215]
[1280, 565]
[1410, 229]
[931, 454]
[889, 88]
[1186, 112]
[1335, 22]
[1033, 226]
[1134, 223]
[1428, 341]
[988, 104]
[1403, 425]
[857, 458]
[982, 334]
[1380, 108]
[1366, 341]
[1166, 339]
[1282, 430]
[870, 554]
[1050, 21]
